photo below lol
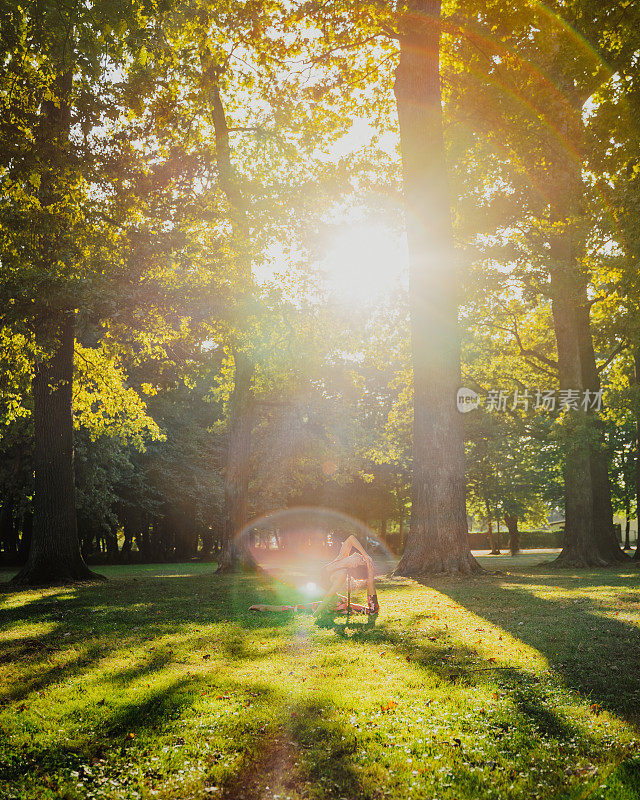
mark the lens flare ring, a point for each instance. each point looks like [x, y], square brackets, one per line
[292, 545]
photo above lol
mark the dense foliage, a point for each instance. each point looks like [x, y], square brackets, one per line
[172, 176]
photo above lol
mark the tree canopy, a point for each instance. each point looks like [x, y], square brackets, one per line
[250, 251]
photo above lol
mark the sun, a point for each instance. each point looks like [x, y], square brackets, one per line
[364, 261]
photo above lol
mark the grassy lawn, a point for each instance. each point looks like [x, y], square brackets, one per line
[160, 683]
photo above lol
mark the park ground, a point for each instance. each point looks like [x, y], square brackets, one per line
[160, 683]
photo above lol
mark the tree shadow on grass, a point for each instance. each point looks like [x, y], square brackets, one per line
[314, 736]
[41, 676]
[595, 655]
[85, 626]
[154, 662]
[310, 750]
[194, 599]
[537, 716]
[118, 730]
[148, 714]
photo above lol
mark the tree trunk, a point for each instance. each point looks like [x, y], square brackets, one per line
[143, 538]
[494, 539]
[111, 545]
[438, 536]
[511, 522]
[599, 456]
[206, 536]
[588, 538]
[127, 544]
[580, 545]
[627, 526]
[236, 479]
[236, 486]
[54, 555]
[636, 361]
[8, 535]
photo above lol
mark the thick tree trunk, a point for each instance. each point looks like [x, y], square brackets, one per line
[438, 536]
[54, 555]
[599, 456]
[588, 539]
[580, 545]
[511, 522]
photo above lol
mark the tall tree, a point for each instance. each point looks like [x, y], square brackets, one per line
[636, 362]
[238, 460]
[54, 554]
[97, 198]
[543, 64]
[438, 538]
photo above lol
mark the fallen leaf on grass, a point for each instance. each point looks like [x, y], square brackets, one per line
[389, 706]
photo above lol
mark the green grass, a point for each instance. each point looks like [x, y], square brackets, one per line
[160, 684]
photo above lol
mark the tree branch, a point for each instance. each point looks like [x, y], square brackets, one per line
[550, 367]
[527, 351]
[616, 351]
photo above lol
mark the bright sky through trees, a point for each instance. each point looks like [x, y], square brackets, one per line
[364, 261]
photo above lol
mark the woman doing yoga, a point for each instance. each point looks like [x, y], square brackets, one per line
[336, 575]
[340, 573]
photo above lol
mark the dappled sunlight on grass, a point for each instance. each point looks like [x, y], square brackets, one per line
[156, 687]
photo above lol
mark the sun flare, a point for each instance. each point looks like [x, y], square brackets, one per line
[364, 262]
